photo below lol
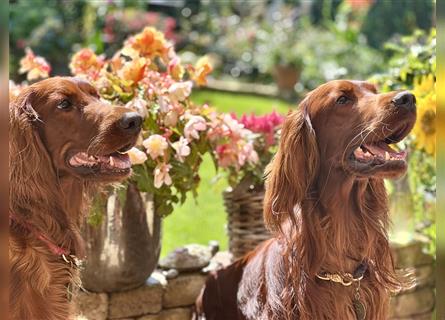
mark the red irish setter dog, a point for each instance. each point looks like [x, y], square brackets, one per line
[64, 143]
[326, 204]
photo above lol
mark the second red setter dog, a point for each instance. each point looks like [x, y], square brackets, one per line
[327, 206]
[64, 142]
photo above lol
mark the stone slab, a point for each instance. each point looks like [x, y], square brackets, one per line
[183, 290]
[146, 299]
[91, 306]
[414, 303]
[170, 314]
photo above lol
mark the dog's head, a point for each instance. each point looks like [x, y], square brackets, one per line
[343, 126]
[64, 120]
[354, 126]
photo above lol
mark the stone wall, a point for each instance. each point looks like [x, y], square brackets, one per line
[157, 299]
[170, 296]
[417, 300]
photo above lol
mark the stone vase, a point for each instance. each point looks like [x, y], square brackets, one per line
[123, 250]
[286, 77]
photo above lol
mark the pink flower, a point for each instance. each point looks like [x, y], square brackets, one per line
[193, 126]
[137, 156]
[161, 175]
[247, 153]
[86, 62]
[226, 156]
[155, 145]
[36, 67]
[182, 149]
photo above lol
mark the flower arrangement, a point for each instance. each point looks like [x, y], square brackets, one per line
[147, 75]
[248, 147]
[413, 67]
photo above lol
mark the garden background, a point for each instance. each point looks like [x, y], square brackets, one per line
[246, 43]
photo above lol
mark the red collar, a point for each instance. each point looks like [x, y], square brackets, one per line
[55, 249]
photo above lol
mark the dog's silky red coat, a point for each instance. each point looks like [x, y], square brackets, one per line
[64, 143]
[326, 204]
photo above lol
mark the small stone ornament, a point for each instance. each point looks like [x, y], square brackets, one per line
[192, 257]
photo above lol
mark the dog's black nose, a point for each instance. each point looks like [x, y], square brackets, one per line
[130, 122]
[405, 99]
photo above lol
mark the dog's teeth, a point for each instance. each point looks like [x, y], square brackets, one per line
[387, 156]
[111, 161]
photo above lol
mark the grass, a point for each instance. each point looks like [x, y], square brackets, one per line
[205, 219]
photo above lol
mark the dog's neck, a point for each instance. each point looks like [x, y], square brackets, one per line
[56, 215]
[354, 215]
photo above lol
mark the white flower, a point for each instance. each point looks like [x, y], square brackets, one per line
[195, 124]
[138, 104]
[182, 149]
[137, 156]
[162, 176]
[155, 145]
[179, 91]
[164, 104]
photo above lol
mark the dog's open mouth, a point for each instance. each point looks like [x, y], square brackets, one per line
[378, 155]
[115, 163]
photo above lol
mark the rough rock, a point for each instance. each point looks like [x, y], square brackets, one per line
[136, 302]
[183, 290]
[91, 306]
[426, 316]
[220, 260]
[170, 314]
[417, 278]
[410, 255]
[414, 303]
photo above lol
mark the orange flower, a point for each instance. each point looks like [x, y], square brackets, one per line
[36, 67]
[133, 70]
[149, 43]
[201, 70]
[87, 63]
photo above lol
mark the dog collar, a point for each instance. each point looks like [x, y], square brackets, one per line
[54, 248]
[345, 279]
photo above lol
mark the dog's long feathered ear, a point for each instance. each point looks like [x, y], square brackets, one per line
[291, 173]
[29, 163]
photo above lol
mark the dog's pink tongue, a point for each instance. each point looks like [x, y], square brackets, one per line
[121, 161]
[381, 149]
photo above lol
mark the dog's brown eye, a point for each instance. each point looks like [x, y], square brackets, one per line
[64, 105]
[342, 100]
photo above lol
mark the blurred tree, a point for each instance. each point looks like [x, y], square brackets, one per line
[324, 10]
[50, 27]
[386, 18]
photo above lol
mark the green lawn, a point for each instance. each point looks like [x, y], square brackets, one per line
[205, 219]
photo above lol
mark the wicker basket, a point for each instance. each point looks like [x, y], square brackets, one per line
[244, 206]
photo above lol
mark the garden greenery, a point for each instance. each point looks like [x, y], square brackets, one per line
[413, 67]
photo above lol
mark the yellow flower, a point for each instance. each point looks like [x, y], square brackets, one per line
[175, 69]
[425, 128]
[36, 67]
[149, 43]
